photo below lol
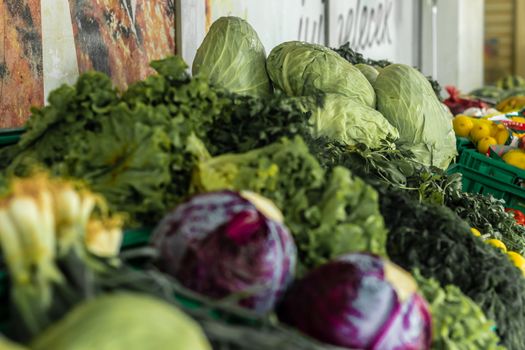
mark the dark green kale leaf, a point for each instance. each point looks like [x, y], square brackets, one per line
[248, 123]
[488, 215]
[433, 239]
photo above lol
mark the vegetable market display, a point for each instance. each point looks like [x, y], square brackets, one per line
[299, 201]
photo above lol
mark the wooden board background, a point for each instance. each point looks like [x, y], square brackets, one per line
[500, 18]
[117, 37]
[21, 71]
[120, 39]
[519, 58]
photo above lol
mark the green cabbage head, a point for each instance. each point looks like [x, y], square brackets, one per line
[406, 99]
[302, 69]
[343, 119]
[233, 57]
[368, 71]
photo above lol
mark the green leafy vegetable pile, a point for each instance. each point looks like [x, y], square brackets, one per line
[457, 322]
[435, 240]
[137, 150]
[247, 123]
[329, 213]
[488, 215]
[338, 164]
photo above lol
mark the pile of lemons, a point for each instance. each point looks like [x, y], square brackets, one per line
[482, 132]
[485, 133]
[517, 259]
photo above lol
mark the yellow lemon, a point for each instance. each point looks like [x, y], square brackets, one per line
[485, 143]
[501, 135]
[515, 157]
[475, 232]
[497, 243]
[480, 130]
[518, 119]
[485, 120]
[462, 125]
[517, 260]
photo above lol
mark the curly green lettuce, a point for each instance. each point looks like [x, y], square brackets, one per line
[328, 213]
[458, 323]
[137, 149]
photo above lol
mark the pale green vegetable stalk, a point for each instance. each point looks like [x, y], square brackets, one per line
[39, 217]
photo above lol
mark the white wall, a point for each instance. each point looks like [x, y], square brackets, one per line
[274, 21]
[277, 21]
[379, 29]
[460, 30]
[460, 42]
[190, 27]
[471, 44]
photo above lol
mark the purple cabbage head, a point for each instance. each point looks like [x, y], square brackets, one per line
[359, 301]
[221, 244]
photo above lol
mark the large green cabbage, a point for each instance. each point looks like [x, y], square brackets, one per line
[348, 121]
[142, 321]
[406, 99]
[302, 69]
[232, 56]
[368, 71]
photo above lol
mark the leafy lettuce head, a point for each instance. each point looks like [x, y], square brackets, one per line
[342, 119]
[407, 100]
[368, 71]
[233, 57]
[302, 69]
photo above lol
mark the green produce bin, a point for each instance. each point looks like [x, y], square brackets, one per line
[463, 143]
[481, 174]
[10, 136]
[493, 168]
[135, 238]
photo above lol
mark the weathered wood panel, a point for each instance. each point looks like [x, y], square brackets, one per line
[121, 37]
[21, 73]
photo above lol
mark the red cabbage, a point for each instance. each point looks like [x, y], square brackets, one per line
[356, 301]
[220, 244]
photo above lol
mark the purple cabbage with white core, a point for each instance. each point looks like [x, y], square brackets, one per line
[359, 301]
[226, 243]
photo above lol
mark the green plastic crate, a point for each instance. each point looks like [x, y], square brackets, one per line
[493, 168]
[463, 143]
[135, 238]
[10, 136]
[485, 175]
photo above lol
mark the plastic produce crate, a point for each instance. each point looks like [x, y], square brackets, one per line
[135, 238]
[494, 168]
[463, 143]
[484, 175]
[10, 136]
